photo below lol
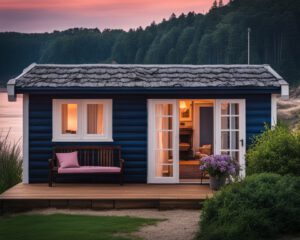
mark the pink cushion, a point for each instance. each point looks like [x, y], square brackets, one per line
[67, 160]
[90, 169]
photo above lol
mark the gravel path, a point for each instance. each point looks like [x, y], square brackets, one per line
[176, 224]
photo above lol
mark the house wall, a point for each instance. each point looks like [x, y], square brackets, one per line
[129, 130]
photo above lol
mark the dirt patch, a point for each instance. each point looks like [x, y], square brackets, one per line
[178, 225]
[175, 224]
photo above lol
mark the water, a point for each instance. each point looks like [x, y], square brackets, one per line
[11, 118]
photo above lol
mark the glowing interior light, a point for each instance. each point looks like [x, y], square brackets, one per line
[72, 117]
[182, 105]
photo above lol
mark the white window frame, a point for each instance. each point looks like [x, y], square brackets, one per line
[81, 135]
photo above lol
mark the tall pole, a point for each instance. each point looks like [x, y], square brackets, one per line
[249, 35]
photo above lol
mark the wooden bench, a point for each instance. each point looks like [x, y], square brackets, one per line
[92, 160]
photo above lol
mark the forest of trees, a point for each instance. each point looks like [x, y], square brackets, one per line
[218, 37]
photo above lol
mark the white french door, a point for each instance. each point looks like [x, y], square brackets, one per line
[231, 130]
[163, 143]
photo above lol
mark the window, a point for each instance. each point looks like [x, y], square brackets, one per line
[230, 130]
[82, 120]
[95, 119]
[69, 118]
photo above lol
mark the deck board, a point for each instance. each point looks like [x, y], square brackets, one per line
[107, 191]
[103, 196]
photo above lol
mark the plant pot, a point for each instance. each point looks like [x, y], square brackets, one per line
[216, 182]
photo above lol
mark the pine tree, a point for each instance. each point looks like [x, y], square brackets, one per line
[173, 16]
[221, 3]
[215, 5]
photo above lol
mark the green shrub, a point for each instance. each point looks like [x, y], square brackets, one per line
[276, 150]
[10, 164]
[262, 206]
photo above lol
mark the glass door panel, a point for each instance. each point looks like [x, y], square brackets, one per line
[231, 129]
[162, 129]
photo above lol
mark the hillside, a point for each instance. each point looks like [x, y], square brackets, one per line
[289, 111]
[219, 37]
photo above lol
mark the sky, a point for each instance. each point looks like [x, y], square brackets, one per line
[49, 15]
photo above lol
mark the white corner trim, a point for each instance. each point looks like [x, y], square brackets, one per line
[274, 110]
[25, 138]
[11, 93]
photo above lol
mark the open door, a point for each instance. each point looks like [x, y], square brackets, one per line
[163, 141]
[231, 130]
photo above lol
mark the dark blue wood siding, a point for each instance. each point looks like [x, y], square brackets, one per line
[258, 114]
[129, 131]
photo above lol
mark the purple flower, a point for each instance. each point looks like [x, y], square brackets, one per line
[219, 165]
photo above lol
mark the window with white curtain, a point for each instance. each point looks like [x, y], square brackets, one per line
[82, 120]
[95, 118]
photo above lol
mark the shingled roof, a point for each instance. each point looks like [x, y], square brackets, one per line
[147, 76]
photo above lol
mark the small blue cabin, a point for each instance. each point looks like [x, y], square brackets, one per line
[164, 117]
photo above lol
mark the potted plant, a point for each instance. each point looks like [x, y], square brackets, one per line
[219, 167]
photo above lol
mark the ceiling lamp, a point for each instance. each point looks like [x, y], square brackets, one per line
[182, 105]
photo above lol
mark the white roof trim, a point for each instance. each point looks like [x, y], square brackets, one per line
[284, 85]
[11, 90]
[117, 65]
[285, 91]
[11, 93]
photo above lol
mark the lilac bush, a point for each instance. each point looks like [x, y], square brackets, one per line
[220, 165]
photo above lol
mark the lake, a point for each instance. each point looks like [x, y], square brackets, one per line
[11, 117]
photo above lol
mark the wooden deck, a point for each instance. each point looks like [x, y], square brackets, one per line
[104, 196]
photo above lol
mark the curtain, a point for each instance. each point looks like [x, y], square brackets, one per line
[95, 118]
[64, 118]
[100, 119]
[164, 139]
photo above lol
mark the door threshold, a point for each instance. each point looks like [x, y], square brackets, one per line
[194, 181]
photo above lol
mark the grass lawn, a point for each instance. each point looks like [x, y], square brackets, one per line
[61, 226]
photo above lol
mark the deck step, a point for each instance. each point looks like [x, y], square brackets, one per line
[104, 196]
[13, 206]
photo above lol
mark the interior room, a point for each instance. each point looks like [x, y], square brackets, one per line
[196, 137]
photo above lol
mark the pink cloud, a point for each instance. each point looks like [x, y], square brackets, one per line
[99, 4]
[47, 15]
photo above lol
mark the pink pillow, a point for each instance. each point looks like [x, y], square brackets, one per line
[67, 160]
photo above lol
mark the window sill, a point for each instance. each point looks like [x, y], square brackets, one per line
[83, 140]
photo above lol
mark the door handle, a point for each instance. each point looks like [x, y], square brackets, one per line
[242, 142]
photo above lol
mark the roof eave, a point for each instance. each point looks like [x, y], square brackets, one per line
[11, 92]
[158, 90]
[284, 85]
[285, 92]
[11, 84]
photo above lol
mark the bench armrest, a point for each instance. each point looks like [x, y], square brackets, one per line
[51, 164]
[122, 164]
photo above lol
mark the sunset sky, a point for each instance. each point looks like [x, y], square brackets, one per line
[49, 15]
